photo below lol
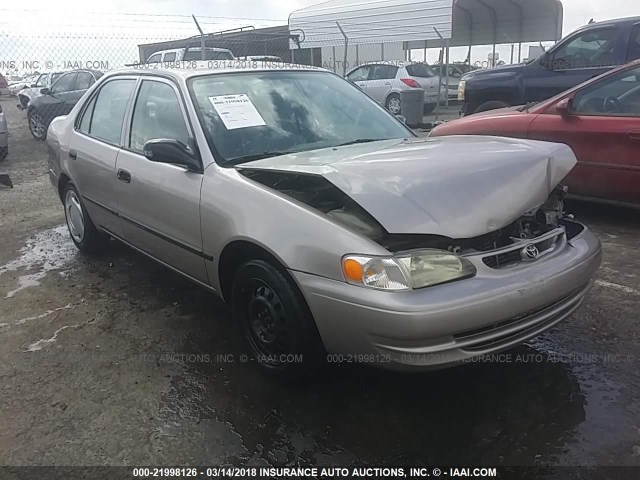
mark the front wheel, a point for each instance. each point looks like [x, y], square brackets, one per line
[394, 104]
[83, 232]
[37, 126]
[275, 321]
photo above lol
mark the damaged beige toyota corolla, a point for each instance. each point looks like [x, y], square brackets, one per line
[323, 220]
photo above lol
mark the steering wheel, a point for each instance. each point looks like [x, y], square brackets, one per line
[612, 105]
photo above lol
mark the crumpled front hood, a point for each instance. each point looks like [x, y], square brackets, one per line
[458, 187]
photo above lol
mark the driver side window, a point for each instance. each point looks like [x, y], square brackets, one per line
[619, 96]
[157, 114]
[590, 49]
[359, 75]
[64, 83]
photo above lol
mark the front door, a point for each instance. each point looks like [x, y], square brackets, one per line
[603, 129]
[159, 203]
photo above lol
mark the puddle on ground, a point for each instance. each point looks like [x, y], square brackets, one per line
[46, 251]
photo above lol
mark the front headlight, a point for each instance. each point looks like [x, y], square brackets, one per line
[461, 89]
[414, 270]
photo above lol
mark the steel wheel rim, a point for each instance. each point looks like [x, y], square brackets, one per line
[36, 126]
[266, 322]
[75, 217]
[394, 105]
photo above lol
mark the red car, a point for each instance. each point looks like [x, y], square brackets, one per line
[599, 120]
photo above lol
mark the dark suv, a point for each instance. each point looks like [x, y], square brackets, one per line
[59, 99]
[586, 53]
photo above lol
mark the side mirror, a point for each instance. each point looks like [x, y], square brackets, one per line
[402, 119]
[564, 106]
[166, 150]
[45, 91]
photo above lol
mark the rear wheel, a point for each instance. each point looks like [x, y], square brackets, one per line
[83, 232]
[393, 104]
[37, 126]
[275, 321]
[492, 105]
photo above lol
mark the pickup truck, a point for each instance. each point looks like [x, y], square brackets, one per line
[584, 54]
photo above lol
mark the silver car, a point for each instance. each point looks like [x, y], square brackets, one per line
[385, 81]
[328, 226]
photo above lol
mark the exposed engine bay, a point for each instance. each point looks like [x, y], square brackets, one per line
[322, 195]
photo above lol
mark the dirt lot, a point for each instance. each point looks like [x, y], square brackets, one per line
[114, 360]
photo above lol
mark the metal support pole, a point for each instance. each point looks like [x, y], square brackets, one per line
[520, 53]
[440, 78]
[346, 50]
[447, 67]
[493, 60]
[203, 53]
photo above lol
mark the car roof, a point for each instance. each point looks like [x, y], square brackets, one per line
[615, 21]
[185, 73]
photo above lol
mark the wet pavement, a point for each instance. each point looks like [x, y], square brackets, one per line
[114, 360]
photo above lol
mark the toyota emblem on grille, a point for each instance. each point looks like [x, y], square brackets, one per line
[529, 253]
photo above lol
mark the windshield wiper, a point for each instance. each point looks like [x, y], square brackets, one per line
[526, 107]
[256, 156]
[359, 140]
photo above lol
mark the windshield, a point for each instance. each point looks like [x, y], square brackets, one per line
[259, 114]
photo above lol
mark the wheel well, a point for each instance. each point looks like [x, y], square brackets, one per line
[237, 253]
[62, 184]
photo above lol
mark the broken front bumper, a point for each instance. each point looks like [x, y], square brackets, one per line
[446, 324]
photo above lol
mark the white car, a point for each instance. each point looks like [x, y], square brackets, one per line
[45, 80]
[15, 87]
[190, 54]
[383, 81]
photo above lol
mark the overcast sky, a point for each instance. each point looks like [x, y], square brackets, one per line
[154, 20]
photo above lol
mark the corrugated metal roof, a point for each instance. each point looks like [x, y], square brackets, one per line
[373, 21]
[464, 22]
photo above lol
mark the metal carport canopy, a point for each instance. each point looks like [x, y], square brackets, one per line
[461, 22]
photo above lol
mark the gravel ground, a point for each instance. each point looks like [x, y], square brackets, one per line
[114, 360]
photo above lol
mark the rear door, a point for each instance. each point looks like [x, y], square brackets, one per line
[93, 149]
[83, 81]
[603, 130]
[54, 104]
[159, 203]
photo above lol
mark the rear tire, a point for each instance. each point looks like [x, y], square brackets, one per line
[393, 104]
[492, 105]
[84, 233]
[276, 323]
[36, 126]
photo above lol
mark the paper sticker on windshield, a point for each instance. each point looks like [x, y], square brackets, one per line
[237, 111]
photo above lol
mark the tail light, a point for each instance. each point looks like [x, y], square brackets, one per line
[410, 82]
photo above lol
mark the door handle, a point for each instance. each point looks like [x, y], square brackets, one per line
[73, 155]
[124, 176]
[634, 135]
[388, 83]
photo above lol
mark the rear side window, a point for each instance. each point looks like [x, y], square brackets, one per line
[420, 70]
[107, 111]
[384, 72]
[64, 83]
[196, 54]
[634, 44]
[157, 114]
[170, 57]
[156, 58]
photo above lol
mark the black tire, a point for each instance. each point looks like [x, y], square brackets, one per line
[429, 107]
[492, 105]
[275, 321]
[38, 131]
[91, 240]
[391, 99]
